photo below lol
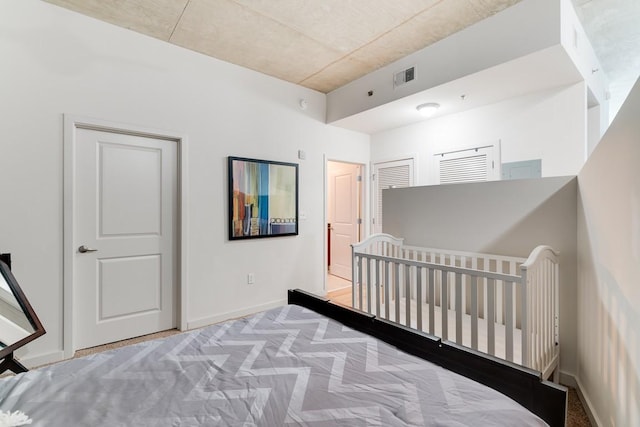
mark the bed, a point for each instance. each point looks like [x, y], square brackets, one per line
[504, 306]
[311, 362]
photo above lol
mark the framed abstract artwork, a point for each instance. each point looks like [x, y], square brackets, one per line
[263, 198]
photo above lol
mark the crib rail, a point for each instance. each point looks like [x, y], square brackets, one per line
[432, 298]
[500, 305]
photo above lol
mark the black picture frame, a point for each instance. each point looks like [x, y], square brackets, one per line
[263, 198]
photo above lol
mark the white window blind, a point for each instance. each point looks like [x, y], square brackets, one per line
[463, 169]
[470, 165]
[397, 174]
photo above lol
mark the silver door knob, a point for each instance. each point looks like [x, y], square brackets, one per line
[83, 249]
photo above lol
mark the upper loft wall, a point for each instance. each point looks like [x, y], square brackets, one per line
[526, 27]
[521, 39]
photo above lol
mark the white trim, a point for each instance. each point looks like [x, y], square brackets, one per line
[71, 123]
[210, 320]
[325, 216]
[587, 405]
[42, 359]
[572, 381]
[568, 380]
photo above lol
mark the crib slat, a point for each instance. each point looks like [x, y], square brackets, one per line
[485, 266]
[360, 283]
[459, 308]
[544, 306]
[474, 312]
[432, 301]
[491, 316]
[387, 275]
[508, 290]
[354, 281]
[444, 304]
[396, 287]
[407, 295]
[368, 286]
[538, 317]
[419, 298]
[377, 286]
[534, 319]
[465, 281]
[526, 358]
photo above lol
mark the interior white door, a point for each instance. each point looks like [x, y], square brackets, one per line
[344, 215]
[125, 226]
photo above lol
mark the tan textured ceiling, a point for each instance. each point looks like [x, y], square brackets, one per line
[320, 44]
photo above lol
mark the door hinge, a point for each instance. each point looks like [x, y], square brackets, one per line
[373, 177]
[359, 178]
[359, 221]
[373, 220]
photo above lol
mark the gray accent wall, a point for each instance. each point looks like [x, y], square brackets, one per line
[500, 217]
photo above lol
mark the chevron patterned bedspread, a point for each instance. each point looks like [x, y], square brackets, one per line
[286, 366]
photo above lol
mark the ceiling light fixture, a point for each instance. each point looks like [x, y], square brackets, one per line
[428, 109]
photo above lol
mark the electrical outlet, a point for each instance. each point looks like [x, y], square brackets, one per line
[251, 279]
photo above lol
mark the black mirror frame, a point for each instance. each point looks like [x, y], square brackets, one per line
[6, 353]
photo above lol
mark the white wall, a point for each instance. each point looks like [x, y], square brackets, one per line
[594, 128]
[548, 125]
[56, 62]
[609, 272]
[501, 217]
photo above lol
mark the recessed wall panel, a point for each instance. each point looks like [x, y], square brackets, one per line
[128, 286]
[131, 184]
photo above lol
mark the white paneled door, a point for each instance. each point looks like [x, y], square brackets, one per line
[344, 215]
[125, 236]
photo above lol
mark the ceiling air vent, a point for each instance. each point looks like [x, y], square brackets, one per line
[404, 76]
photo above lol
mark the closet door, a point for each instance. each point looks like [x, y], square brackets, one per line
[394, 174]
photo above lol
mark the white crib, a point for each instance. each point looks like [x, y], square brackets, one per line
[500, 305]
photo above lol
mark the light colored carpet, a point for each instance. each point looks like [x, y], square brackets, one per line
[118, 344]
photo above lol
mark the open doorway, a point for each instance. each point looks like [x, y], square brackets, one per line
[344, 220]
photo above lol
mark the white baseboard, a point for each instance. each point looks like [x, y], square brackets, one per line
[588, 406]
[209, 320]
[568, 380]
[572, 381]
[42, 359]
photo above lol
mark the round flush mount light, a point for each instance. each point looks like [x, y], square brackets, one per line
[428, 109]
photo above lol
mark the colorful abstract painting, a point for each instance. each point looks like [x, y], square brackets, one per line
[263, 198]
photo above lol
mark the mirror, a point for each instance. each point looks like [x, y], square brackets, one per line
[18, 322]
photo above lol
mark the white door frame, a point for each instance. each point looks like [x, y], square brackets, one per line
[71, 124]
[325, 215]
